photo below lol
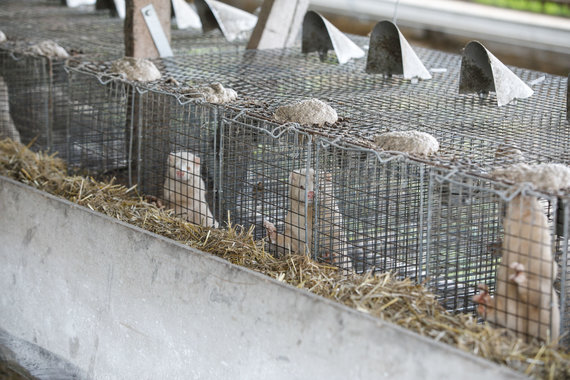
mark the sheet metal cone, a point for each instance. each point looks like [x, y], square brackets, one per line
[78, 3]
[120, 7]
[231, 21]
[390, 53]
[186, 16]
[321, 36]
[482, 72]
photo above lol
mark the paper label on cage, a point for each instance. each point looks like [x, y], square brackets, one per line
[121, 9]
[156, 31]
[78, 3]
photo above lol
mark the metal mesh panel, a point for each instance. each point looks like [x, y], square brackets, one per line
[167, 127]
[468, 128]
[98, 127]
[482, 235]
[37, 97]
[94, 33]
[382, 200]
[258, 159]
[562, 257]
[464, 237]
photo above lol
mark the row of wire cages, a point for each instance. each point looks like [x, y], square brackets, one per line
[34, 86]
[327, 191]
[362, 210]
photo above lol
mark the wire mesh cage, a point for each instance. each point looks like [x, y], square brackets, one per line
[178, 154]
[98, 131]
[36, 87]
[36, 97]
[500, 250]
[437, 219]
[382, 200]
[327, 191]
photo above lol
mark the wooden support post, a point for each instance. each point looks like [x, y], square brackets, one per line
[138, 41]
[278, 24]
[139, 44]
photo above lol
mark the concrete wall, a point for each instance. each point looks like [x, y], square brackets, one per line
[122, 303]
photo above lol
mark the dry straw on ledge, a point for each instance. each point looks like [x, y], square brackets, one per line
[382, 295]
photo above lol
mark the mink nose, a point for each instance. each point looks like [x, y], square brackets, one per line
[179, 173]
[310, 195]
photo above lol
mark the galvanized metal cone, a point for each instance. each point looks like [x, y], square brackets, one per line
[186, 16]
[121, 8]
[482, 72]
[390, 53]
[232, 22]
[321, 36]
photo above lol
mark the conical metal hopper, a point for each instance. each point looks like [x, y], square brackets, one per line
[321, 36]
[232, 22]
[186, 16]
[121, 8]
[482, 72]
[390, 53]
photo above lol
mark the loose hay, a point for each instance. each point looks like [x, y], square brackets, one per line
[399, 301]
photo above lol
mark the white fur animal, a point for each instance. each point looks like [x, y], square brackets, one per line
[185, 190]
[332, 239]
[525, 300]
[7, 127]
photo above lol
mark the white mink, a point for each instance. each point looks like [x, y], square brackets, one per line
[185, 191]
[7, 127]
[525, 300]
[332, 237]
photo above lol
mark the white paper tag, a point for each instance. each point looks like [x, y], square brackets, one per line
[156, 31]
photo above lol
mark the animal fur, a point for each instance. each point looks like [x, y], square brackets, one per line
[297, 239]
[525, 300]
[185, 191]
[7, 127]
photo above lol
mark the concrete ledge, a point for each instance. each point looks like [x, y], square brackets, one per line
[122, 303]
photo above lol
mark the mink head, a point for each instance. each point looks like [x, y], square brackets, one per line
[183, 166]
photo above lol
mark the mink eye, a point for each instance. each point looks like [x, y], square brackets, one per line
[302, 187]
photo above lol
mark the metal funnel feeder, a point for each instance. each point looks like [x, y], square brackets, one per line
[321, 36]
[482, 72]
[186, 16]
[390, 53]
[231, 21]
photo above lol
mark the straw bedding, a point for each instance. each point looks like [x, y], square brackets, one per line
[382, 295]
